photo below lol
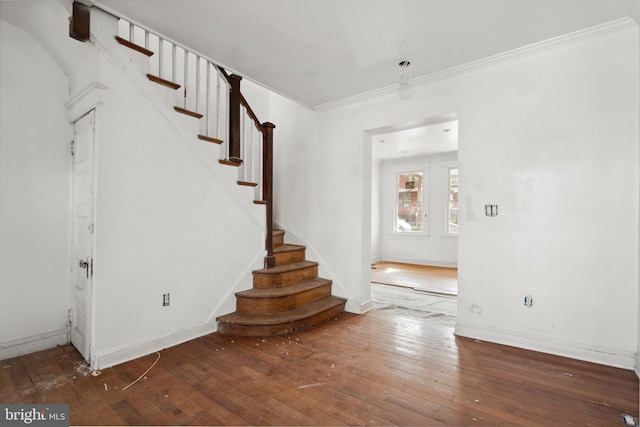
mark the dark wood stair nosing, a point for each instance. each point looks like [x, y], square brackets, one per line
[284, 291]
[210, 139]
[163, 82]
[229, 163]
[287, 247]
[286, 268]
[188, 112]
[136, 47]
[284, 317]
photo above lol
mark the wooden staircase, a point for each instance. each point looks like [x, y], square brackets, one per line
[288, 295]
[286, 298]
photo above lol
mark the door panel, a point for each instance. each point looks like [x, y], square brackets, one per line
[82, 230]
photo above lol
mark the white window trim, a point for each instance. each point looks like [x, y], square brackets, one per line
[446, 204]
[425, 206]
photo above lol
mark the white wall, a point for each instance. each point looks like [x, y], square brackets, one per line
[35, 179]
[434, 247]
[567, 195]
[376, 207]
[551, 136]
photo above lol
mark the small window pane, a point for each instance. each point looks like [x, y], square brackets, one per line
[453, 201]
[409, 202]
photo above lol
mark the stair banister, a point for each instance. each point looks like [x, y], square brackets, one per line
[235, 101]
[266, 129]
[234, 119]
[267, 187]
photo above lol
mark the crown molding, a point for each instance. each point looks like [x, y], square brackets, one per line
[531, 49]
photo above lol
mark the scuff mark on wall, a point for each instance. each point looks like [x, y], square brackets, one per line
[475, 309]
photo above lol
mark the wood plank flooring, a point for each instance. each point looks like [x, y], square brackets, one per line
[421, 277]
[387, 367]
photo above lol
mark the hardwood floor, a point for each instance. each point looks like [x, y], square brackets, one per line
[442, 280]
[387, 367]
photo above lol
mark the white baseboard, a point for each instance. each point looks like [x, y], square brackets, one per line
[34, 343]
[602, 355]
[430, 263]
[366, 307]
[110, 358]
[637, 355]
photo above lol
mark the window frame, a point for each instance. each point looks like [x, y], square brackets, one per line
[422, 208]
[447, 223]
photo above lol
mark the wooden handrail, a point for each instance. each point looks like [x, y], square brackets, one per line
[250, 113]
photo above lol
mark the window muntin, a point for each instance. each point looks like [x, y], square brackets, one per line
[409, 202]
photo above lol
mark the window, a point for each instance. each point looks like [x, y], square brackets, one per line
[452, 206]
[409, 199]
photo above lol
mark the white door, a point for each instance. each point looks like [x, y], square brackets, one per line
[82, 233]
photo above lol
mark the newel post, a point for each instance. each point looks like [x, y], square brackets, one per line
[267, 187]
[234, 119]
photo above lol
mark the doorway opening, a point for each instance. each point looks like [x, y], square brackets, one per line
[414, 221]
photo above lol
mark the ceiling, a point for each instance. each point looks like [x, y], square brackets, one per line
[320, 51]
[416, 142]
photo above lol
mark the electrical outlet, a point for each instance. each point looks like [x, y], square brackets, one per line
[165, 299]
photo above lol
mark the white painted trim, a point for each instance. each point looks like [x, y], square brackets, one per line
[366, 307]
[553, 43]
[117, 356]
[90, 90]
[637, 368]
[34, 343]
[429, 263]
[576, 350]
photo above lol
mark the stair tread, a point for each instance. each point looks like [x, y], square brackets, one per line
[210, 139]
[284, 290]
[163, 82]
[134, 46]
[288, 248]
[188, 112]
[287, 267]
[305, 311]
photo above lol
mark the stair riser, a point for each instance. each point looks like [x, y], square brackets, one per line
[276, 305]
[290, 257]
[281, 329]
[278, 239]
[276, 280]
